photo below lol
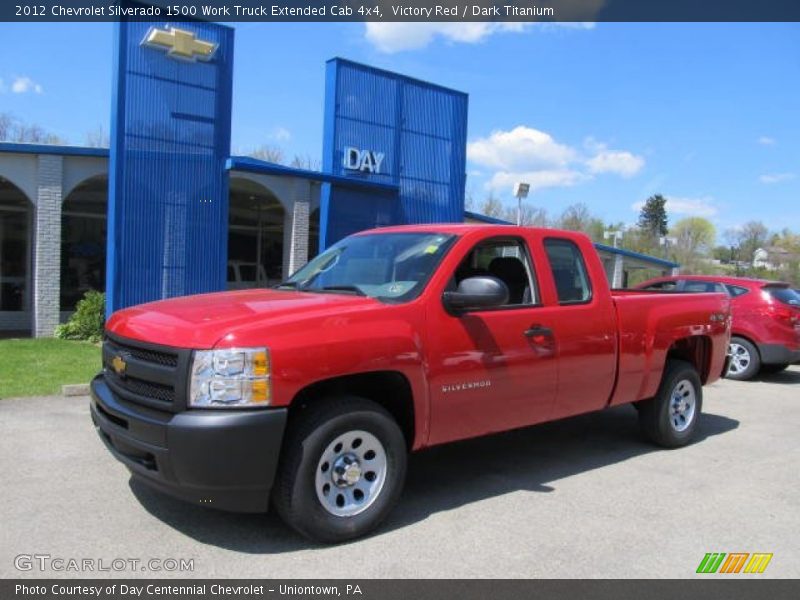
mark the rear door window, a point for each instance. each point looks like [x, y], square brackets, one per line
[569, 271]
[736, 290]
[699, 286]
[663, 286]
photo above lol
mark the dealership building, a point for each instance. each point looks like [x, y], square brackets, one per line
[167, 211]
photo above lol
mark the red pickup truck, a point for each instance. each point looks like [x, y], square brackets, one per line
[310, 395]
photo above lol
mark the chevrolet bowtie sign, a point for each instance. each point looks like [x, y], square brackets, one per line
[179, 43]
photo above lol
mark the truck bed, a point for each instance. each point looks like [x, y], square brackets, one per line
[649, 323]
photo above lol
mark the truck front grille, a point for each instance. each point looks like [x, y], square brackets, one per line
[147, 374]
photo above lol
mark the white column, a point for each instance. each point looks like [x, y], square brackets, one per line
[619, 272]
[295, 248]
[47, 245]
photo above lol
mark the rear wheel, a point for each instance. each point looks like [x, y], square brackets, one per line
[745, 361]
[342, 469]
[670, 418]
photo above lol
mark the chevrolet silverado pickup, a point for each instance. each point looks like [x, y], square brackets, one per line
[309, 396]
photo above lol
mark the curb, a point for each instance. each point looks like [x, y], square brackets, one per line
[80, 389]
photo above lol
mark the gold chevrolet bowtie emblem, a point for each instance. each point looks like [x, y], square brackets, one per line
[119, 365]
[179, 43]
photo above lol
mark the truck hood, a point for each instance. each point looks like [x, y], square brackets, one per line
[201, 321]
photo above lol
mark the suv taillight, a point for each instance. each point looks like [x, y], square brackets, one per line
[788, 315]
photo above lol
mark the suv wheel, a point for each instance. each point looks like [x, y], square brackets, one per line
[670, 418]
[342, 469]
[745, 361]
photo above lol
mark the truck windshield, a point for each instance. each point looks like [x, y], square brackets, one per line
[388, 266]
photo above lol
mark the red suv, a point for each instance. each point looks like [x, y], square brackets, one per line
[766, 320]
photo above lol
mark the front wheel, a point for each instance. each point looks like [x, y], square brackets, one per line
[670, 418]
[342, 469]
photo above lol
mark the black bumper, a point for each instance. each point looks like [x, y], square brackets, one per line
[215, 458]
[776, 354]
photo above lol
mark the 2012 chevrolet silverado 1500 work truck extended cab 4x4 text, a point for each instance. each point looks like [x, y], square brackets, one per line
[310, 395]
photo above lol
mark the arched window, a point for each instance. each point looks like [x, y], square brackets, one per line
[255, 236]
[83, 241]
[313, 233]
[15, 248]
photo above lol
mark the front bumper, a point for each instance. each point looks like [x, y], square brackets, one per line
[216, 458]
[777, 354]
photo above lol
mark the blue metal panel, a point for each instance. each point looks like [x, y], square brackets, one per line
[168, 186]
[421, 130]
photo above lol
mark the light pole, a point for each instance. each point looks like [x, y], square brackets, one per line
[616, 235]
[666, 241]
[521, 190]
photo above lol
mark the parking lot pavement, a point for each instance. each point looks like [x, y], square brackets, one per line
[583, 497]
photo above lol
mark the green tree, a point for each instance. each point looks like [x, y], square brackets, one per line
[747, 239]
[694, 240]
[653, 216]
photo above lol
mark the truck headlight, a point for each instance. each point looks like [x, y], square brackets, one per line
[230, 378]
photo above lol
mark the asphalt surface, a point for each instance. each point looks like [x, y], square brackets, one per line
[583, 497]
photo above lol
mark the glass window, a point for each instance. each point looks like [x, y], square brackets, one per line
[83, 241]
[505, 259]
[663, 286]
[15, 211]
[569, 271]
[784, 295]
[699, 287]
[737, 290]
[392, 267]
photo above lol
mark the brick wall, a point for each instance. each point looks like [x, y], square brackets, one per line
[47, 245]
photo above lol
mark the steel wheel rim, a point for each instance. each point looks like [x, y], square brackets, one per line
[682, 405]
[351, 473]
[740, 358]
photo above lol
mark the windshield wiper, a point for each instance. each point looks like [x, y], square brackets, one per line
[341, 288]
[286, 284]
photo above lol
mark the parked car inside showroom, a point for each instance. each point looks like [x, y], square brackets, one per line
[766, 320]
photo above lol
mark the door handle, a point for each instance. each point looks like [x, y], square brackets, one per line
[538, 331]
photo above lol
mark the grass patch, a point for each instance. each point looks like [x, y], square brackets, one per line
[39, 367]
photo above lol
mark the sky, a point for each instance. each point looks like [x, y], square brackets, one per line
[605, 114]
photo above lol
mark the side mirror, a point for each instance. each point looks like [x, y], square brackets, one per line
[475, 293]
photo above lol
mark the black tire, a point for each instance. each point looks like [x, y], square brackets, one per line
[309, 436]
[659, 422]
[772, 369]
[745, 360]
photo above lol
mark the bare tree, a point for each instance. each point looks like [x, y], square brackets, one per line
[748, 238]
[98, 138]
[14, 130]
[531, 216]
[492, 206]
[306, 161]
[268, 153]
[6, 123]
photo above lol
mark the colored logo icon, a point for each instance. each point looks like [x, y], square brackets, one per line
[734, 562]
